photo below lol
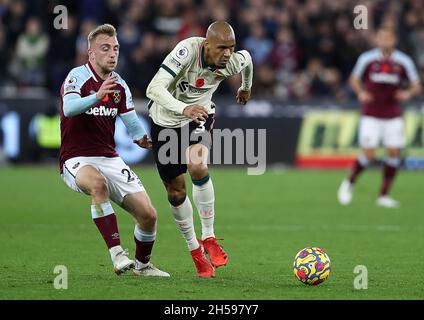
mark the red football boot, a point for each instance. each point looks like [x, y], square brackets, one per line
[203, 268]
[215, 252]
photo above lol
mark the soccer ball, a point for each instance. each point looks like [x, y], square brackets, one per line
[312, 266]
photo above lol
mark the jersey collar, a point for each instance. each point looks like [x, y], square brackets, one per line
[381, 55]
[94, 74]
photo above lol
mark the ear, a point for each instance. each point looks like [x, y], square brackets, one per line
[90, 52]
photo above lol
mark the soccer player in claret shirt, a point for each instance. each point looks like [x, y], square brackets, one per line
[92, 96]
[378, 80]
[181, 93]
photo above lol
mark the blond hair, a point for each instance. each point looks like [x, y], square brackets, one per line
[106, 28]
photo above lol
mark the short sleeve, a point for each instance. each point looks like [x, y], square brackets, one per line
[238, 61]
[74, 82]
[411, 70]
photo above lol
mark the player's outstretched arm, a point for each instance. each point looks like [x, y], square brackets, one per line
[136, 129]
[74, 104]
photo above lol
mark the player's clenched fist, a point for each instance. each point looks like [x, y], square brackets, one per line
[196, 112]
[106, 87]
[242, 96]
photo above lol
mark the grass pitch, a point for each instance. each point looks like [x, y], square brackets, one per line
[265, 221]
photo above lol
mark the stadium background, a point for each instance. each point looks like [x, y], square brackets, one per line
[303, 53]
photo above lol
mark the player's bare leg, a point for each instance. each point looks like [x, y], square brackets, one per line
[391, 165]
[345, 192]
[93, 183]
[183, 214]
[204, 199]
[140, 207]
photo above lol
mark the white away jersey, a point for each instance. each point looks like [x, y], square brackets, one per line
[194, 82]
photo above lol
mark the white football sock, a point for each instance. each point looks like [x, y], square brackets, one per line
[183, 215]
[204, 198]
[144, 236]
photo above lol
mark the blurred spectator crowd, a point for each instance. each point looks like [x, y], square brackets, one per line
[300, 48]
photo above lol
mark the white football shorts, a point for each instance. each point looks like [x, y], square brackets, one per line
[121, 180]
[389, 132]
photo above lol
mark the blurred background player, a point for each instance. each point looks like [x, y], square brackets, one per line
[181, 93]
[92, 96]
[377, 80]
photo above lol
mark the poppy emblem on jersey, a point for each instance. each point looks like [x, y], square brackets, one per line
[116, 96]
[386, 68]
[200, 83]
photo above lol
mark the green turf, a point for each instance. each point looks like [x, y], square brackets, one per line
[265, 221]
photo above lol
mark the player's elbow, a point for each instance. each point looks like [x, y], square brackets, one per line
[152, 91]
[66, 111]
[149, 91]
[69, 105]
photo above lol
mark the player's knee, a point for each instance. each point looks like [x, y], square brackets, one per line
[197, 171]
[370, 158]
[145, 215]
[151, 216]
[393, 153]
[99, 187]
[148, 218]
[176, 197]
[368, 155]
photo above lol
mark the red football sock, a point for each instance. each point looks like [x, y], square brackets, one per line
[143, 250]
[356, 170]
[389, 173]
[108, 227]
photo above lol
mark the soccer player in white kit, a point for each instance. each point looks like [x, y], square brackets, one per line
[93, 95]
[377, 80]
[181, 94]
